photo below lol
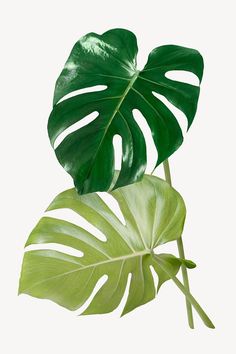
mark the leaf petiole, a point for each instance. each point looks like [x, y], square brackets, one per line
[164, 266]
[181, 254]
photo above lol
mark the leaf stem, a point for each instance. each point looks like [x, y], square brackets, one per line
[186, 292]
[181, 254]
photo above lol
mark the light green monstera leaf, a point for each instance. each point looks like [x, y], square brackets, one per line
[154, 214]
[87, 153]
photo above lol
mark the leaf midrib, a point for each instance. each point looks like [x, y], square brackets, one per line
[116, 110]
[112, 260]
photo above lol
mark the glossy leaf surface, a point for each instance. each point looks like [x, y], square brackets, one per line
[109, 59]
[154, 214]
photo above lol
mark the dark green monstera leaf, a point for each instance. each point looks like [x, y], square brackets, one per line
[154, 214]
[110, 59]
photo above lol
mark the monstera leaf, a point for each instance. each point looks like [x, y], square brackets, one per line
[110, 59]
[154, 214]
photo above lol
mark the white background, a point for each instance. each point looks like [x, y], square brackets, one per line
[36, 38]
